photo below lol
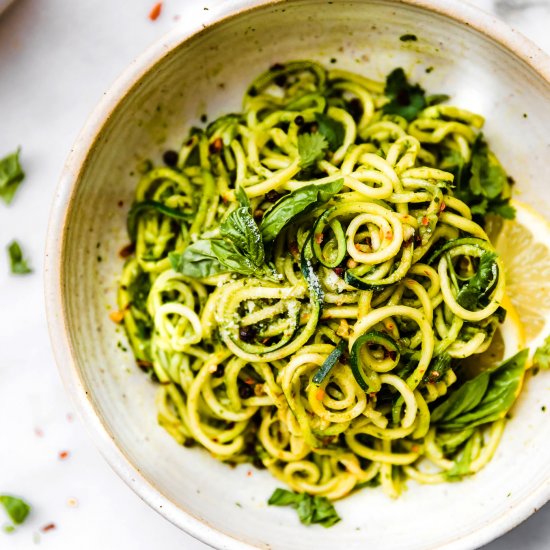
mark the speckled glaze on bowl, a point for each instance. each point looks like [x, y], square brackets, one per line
[203, 67]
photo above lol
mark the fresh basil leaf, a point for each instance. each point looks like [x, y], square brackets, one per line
[462, 465]
[282, 497]
[230, 257]
[242, 197]
[472, 295]
[18, 264]
[11, 176]
[333, 130]
[485, 398]
[241, 229]
[138, 208]
[198, 260]
[541, 358]
[299, 202]
[311, 148]
[310, 509]
[466, 398]
[406, 100]
[16, 508]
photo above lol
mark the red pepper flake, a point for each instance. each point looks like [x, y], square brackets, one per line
[116, 316]
[319, 238]
[389, 235]
[339, 271]
[216, 146]
[127, 250]
[63, 455]
[155, 11]
[320, 394]
[249, 473]
[294, 250]
[250, 381]
[48, 527]
[415, 448]
[442, 206]
[38, 432]
[425, 220]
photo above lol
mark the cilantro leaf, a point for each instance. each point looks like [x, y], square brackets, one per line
[311, 148]
[331, 129]
[482, 183]
[310, 509]
[541, 358]
[406, 100]
[18, 264]
[11, 176]
[17, 509]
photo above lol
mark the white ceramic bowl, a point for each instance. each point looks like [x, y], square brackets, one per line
[487, 68]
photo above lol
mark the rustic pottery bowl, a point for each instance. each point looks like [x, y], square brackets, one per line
[203, 67]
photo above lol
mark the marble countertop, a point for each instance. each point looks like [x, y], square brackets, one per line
[56, 60]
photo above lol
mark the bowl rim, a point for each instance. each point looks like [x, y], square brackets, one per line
[459, 11]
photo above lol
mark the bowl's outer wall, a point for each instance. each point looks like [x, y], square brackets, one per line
[208, 74]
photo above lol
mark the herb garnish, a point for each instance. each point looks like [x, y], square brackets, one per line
[310, 509]
[311, 148]
[483, 399]
[11, 176]
[406, 100]
[18, 264]
[541, 358]
[16, 508]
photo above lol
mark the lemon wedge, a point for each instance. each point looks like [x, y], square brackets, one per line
[524, 246]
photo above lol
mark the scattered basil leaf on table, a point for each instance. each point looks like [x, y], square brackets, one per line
[16, 508]
[310, 509]
[11, 176]
[18, 264]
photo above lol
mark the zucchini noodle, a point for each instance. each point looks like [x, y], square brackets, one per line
[323, 353]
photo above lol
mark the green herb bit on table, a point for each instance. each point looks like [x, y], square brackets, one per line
[11, 176]
[18, 264]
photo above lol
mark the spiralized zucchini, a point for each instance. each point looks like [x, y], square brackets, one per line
[306, 286]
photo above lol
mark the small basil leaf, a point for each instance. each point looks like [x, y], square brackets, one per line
[485, 398]
[471, 296]
[16, 508]
[198, 260]
[299, 202]
[241, 229]
[310, 509]
[242, 197]
[11, 176]
[18, 264]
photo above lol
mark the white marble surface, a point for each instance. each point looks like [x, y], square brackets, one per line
[57, 57]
